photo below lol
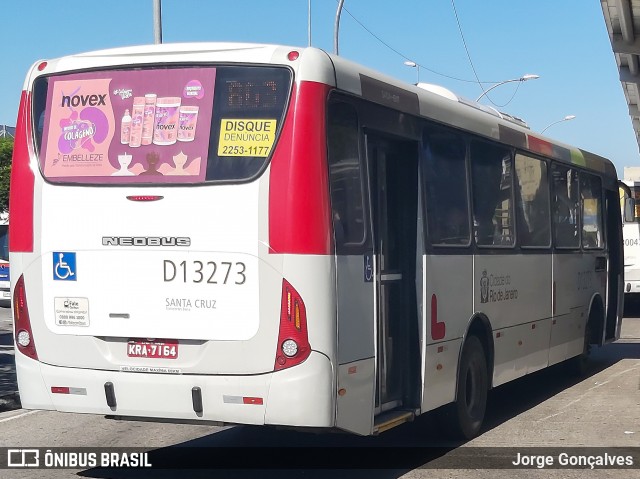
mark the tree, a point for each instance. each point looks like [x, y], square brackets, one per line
[6, 152]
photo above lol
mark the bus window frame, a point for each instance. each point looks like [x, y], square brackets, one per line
[554, 235]
[423, 159]
[547, 162]
[514, 243]
[351, 247]
[601, 215]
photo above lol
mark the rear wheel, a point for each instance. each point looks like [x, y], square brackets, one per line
[579, 365]
[463, 418]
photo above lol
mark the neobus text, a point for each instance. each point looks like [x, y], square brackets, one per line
[145, 241]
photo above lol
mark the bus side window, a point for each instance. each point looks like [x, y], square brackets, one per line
[532, 193]
[565, 206]
[446, 187]
[591, 196]
[345, 175]
[491, 180]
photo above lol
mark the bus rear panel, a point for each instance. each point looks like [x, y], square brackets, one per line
[158, 275]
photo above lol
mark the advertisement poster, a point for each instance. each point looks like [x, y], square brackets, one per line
[129, 126]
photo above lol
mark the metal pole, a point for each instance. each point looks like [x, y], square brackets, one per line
[337, 28]
[157, 21]
[309, 21]
[566, 118]
[496, 86]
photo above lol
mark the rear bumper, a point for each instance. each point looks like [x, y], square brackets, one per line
[299, 396]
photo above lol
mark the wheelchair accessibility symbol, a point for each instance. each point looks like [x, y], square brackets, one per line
[368, 268]
[64, 266]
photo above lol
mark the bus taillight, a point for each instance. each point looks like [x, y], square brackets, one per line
[24, 335]
[22, 183]
[293, 340]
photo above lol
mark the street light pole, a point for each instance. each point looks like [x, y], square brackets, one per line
[526, 77]
[411, 64]
[309, 23]
[566, 118]
[336, 29]
[157, 21]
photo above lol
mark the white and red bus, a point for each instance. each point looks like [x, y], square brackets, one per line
[260, 234]
[631, 236]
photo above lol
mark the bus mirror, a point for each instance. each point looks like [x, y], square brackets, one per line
[629, 210]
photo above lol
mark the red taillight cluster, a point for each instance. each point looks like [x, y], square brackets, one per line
[293, 340]
[23, 334]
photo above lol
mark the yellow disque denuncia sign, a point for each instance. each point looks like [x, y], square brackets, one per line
[246, 137]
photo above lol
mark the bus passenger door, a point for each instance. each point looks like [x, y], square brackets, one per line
[355, 295]
[393, 184]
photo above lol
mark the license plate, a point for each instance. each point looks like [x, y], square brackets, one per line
[159, 348]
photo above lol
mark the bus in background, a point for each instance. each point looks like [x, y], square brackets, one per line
[631, 234]
[343, 251]
[5, 285]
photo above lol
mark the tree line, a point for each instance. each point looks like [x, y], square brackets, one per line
[6, 151]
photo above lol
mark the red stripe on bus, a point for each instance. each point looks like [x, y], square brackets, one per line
[540, 146]
[22, 183]
[438, 328]
[299, 203]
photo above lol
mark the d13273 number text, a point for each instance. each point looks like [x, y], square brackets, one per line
[210, 272]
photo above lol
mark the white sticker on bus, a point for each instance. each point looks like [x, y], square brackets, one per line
[71, 311]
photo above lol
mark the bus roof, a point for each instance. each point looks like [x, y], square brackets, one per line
[444, 106]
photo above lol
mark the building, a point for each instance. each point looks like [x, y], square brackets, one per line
[622, 18]
[7, 131]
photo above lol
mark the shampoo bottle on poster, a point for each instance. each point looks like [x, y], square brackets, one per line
[149, 118]
[136, 121]
[125, 128]
[165, 131]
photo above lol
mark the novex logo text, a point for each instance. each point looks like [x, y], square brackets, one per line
[83, 100]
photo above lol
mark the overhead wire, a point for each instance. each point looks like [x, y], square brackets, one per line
[419, 65]
[399, 53]
[464, 42]
[466, 49]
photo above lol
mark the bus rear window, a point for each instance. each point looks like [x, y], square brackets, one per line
[159, 125]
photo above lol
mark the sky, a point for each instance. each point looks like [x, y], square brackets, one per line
[565, 43]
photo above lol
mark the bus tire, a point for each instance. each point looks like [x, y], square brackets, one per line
[579, 365]
[462, 419]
